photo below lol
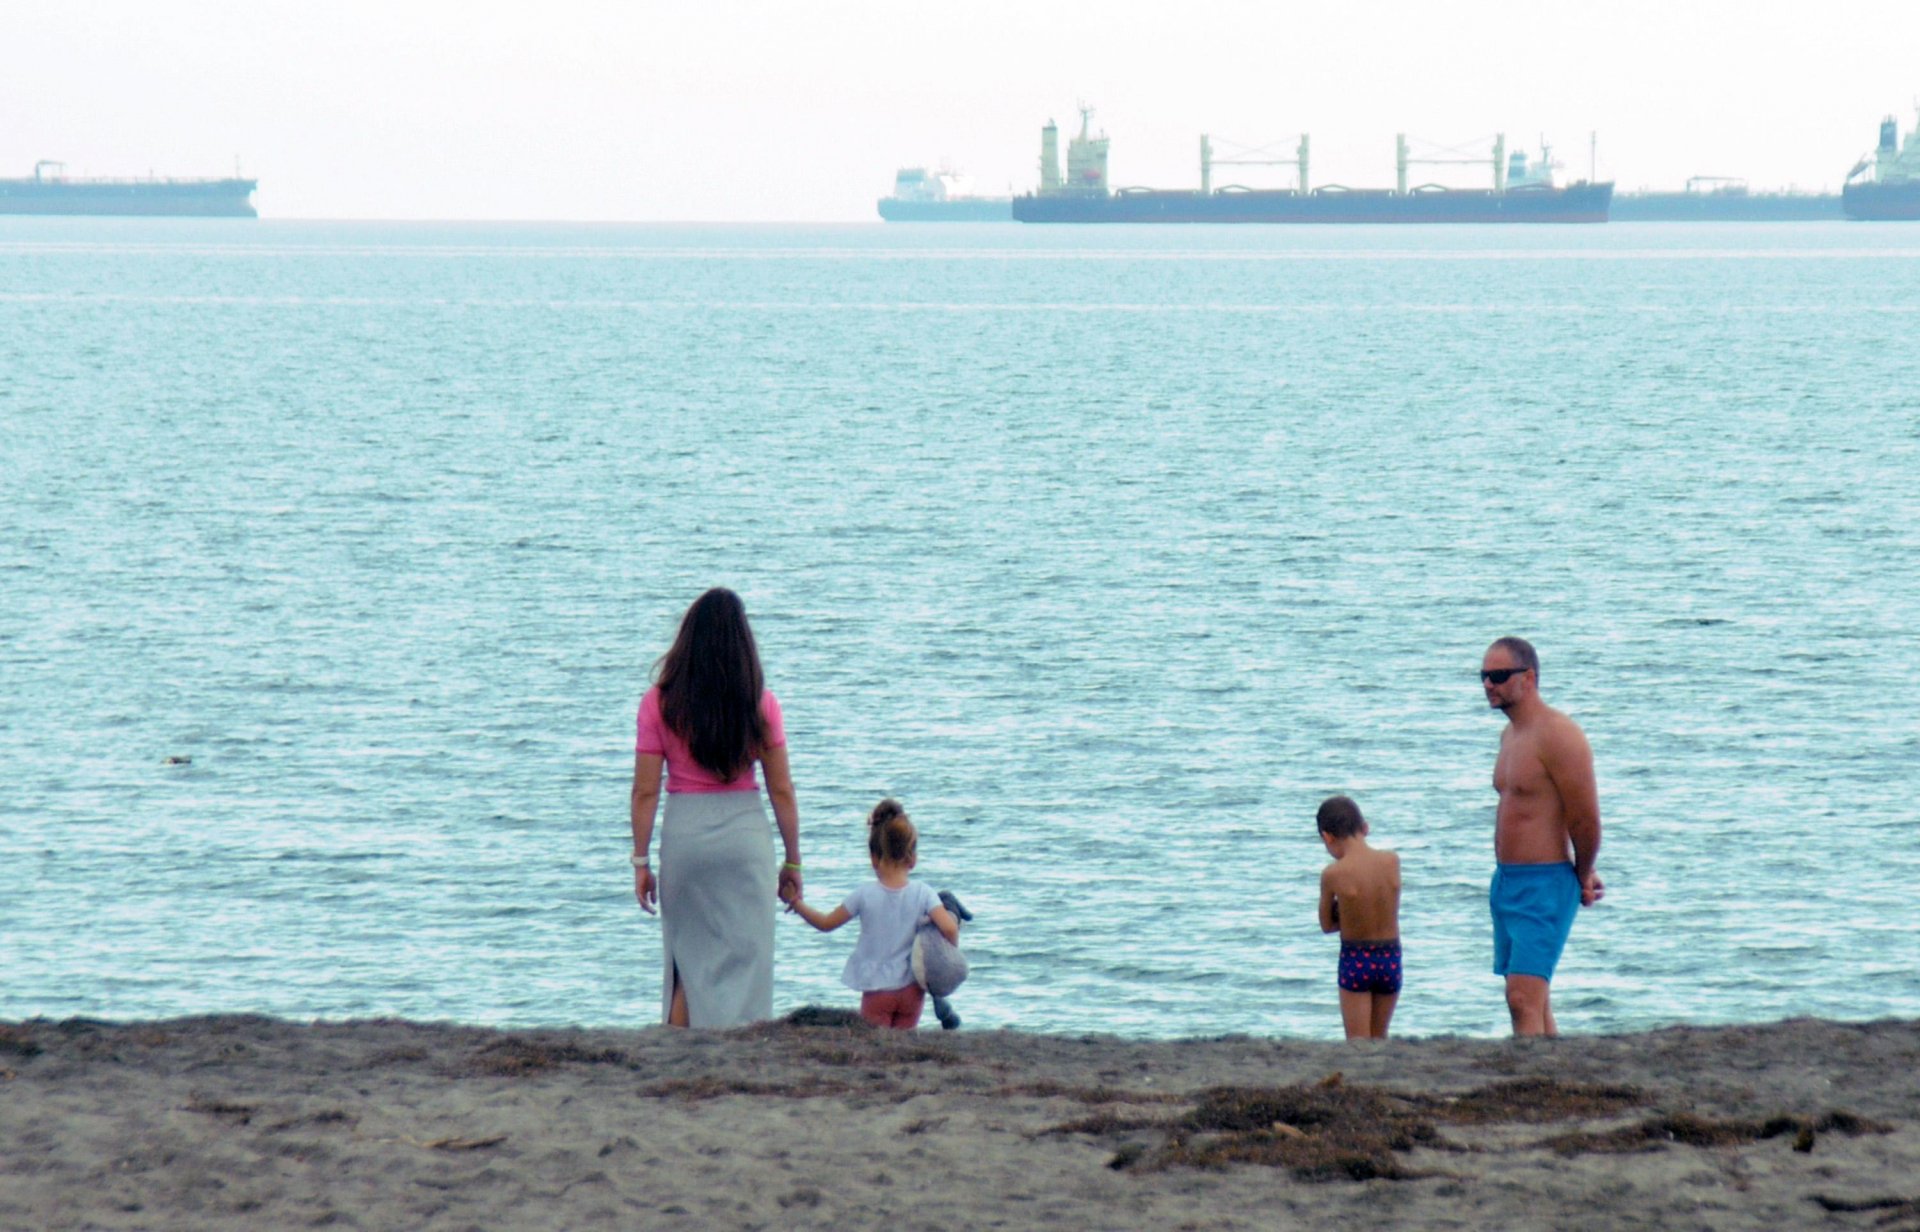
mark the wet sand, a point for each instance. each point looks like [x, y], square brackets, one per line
[240, 1122]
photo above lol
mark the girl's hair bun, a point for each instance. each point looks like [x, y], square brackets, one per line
[890, 833]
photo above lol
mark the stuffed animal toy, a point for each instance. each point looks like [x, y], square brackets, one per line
[938, 965]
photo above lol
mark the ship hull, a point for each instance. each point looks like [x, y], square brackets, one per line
[1579, 203]
[166, 198]
[961, 209]
[1726, 207]
[1876, 202]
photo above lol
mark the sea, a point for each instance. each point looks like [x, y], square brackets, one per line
[335, 557]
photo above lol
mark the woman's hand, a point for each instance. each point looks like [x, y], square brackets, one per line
[789, 887]
[645, 889]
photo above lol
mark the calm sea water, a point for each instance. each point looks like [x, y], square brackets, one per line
[1110, 552]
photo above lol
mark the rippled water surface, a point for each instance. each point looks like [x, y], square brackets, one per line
[1110, 551]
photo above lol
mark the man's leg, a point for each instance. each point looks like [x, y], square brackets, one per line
[1527, 1005]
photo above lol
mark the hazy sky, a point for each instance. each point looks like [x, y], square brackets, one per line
[739, 109]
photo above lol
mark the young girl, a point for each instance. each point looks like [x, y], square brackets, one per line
[890, 909]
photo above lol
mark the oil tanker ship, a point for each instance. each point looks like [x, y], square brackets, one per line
[1521, 193]
[50, 191]
[1713, 198]
[920, 195]
[1885, 185]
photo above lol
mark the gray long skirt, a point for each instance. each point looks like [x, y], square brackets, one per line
[717, 882]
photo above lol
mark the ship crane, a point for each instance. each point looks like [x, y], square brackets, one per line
[1268, 155]
[1452, 156]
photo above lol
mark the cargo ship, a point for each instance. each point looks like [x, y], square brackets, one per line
[920, 195]
[1521, 192]
[51, 191]
[1885, 185]
[1714, 198]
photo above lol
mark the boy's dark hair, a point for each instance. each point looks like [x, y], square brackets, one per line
[1340, 817]
[1521, 649]
[890, 835]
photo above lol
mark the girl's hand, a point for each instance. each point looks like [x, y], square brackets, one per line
[789, 885]
[645, 889]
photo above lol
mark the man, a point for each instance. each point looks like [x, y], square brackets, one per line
[1546, 833]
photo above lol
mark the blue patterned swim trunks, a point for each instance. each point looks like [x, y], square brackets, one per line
[1370, 966]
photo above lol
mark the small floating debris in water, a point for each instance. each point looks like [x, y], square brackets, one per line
[178, 761]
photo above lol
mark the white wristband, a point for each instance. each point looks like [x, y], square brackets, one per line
[637, 861]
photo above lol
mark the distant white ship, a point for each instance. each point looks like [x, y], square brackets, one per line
[920, 195]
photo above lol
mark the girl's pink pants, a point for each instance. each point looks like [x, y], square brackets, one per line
[898, 1008]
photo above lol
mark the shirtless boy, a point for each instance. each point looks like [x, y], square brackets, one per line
[1360, 898]
[1546, 833]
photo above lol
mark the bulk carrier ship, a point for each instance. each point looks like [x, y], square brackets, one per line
[1520, 192]
[1892, 191]
[50, 191]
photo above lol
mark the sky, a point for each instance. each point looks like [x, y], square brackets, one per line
[744, 110]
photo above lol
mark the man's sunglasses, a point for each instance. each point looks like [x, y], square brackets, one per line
[1500, 675]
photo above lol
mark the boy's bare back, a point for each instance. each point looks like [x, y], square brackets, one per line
[1365, 887]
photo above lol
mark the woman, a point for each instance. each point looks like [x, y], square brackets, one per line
[707, 720]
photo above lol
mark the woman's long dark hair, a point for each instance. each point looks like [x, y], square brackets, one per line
[710, 685]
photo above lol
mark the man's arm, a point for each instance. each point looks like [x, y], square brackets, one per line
[1568, 759]
[1329, 905]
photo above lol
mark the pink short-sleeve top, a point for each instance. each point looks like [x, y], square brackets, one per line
[684, 774]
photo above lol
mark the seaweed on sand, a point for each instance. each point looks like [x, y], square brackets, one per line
[1533, 1101]
[18, 1042]
[1692, 1129]
[1328, 1131]
[714, 1086]
[515, 1057]
[1333, 1131]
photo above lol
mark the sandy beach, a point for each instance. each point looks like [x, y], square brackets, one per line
[241, 1122]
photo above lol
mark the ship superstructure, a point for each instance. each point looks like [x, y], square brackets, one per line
[1086, 161]
[52, 191]
[1522, 191]
[920, 195]
[1885, 185]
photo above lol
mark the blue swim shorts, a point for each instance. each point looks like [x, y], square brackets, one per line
[1533, 907]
